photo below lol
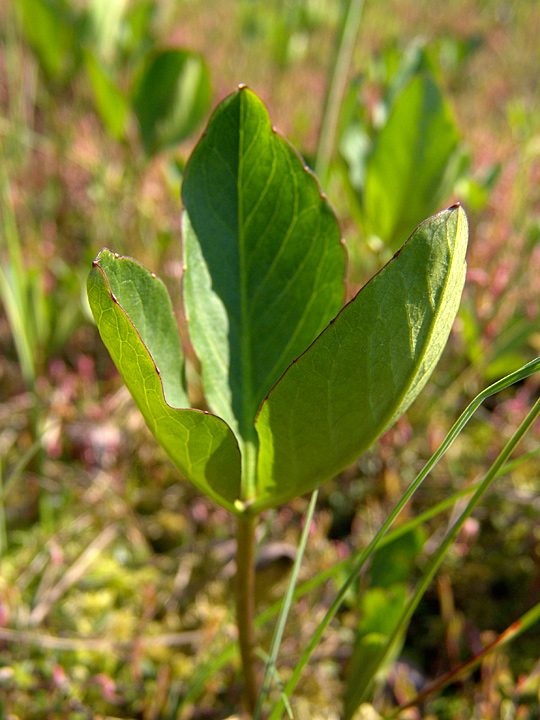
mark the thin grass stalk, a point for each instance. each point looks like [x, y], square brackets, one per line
[285, 607]
[518, 627]
[16, 472]
[336, 89]
[13, 283]
[456, 429]
[444, 547]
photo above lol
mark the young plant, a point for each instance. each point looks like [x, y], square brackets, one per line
[297, 385]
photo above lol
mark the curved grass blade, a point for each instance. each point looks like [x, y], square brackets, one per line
[285, 607]
[134, 316]
[366, 368]
[443, 548]
[364, 555]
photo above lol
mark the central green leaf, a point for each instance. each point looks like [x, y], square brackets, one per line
[265, 262]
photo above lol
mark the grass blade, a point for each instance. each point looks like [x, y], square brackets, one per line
[285, 607]
[336, 90]
[443, 548]
[456, 429]
[518, 627]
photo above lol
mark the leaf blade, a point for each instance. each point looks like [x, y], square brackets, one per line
[50, 29]
[111, 104]
[334, 401]
[263, 254]
[134, 317]
[171, 98]
[413, 150]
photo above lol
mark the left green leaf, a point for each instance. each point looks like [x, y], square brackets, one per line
[134, 316]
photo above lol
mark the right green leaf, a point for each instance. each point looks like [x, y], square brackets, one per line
[406, 171]
[366, 368]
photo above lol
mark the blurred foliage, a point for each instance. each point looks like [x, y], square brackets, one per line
[113, 40]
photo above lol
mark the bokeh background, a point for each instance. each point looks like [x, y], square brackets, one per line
[115, 595]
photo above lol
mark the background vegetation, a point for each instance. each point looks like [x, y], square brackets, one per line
[114, 573]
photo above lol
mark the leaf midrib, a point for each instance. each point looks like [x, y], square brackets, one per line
[247, 428]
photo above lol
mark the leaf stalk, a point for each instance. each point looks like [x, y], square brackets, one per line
[245, 606]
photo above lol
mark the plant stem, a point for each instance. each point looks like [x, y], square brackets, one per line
[245, 605]
[336, 90]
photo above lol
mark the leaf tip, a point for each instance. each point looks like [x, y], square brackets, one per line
[242, 86]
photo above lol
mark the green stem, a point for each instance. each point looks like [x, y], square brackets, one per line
[245, 605]
[336, 90]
